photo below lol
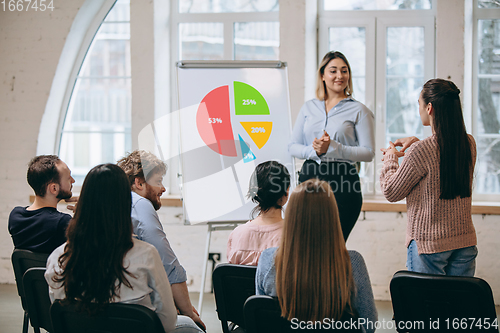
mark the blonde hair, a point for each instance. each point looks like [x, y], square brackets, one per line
[321, 92]
[313, 268]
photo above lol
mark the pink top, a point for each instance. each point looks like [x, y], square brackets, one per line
[248, 240]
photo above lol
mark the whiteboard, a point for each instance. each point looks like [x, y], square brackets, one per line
[232, 116]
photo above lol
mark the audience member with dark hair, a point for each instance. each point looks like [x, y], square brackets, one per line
[311, 272]
[435, 177]
[101, 263]
[268, 188]
[40, 227]
[145, 174]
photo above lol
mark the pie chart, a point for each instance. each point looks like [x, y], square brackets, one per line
[215, 118]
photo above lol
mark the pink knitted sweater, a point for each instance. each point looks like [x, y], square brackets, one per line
[435, 224]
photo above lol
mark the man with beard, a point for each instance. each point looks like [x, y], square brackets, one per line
[145, 173]
[41, 227]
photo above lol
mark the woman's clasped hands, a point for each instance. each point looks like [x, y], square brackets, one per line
[321, 145]
[404, 143]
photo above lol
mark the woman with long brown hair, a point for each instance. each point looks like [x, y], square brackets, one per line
[101, 263]
[435, 177]
[312, 273]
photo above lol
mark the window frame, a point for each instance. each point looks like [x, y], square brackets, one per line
[228, 20]
[73, 83]
[378, 21]
[472, 71]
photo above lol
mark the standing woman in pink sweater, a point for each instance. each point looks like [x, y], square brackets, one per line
[435, 177]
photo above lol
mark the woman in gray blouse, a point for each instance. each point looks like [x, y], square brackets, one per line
[333, 132]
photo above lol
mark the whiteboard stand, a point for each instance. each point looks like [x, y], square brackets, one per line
[212, 226]
[251, 92]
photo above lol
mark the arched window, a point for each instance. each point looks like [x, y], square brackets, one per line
[97, 126]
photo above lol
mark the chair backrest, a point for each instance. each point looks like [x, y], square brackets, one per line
[263, 315]
[36, 291]
[115, 318]
[233, 284]
[430, 302]
[22, 260]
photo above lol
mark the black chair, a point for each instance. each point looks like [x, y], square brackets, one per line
[233, 284]
[114, 318]
[263, 315]
[36, 292]
[22, 260]
[439, 303]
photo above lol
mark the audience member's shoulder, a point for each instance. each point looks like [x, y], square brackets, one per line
[141, 247]
[356, 258]
[268, 254]
[139, 202]
[242, 228]
[63, 218]
[18, 210]
[54, 256]
[45, 212]
[144, 252]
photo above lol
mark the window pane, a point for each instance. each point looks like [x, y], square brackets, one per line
[404, 80]
[351, 41]
[120, 12]
[107, 58]
[113, 31]
[227, 6]
[487, 171]
[489, 46]
[97, 124]
[488, 4]
[256, 41]
[201, 41]
[488, 115]
[377, 4]
[488, 138]
[489, 106]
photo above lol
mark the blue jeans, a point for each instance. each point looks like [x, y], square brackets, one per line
[459, 262]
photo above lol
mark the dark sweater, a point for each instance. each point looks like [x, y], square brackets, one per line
[41, 230]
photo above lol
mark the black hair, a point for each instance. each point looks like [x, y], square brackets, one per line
[268, 184]
[455, 167]
[42, 171]
[99, 236]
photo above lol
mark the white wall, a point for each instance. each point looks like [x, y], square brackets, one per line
[30, 45]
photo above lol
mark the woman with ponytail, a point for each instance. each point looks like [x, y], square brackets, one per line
[435, 177]
[268, 188]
